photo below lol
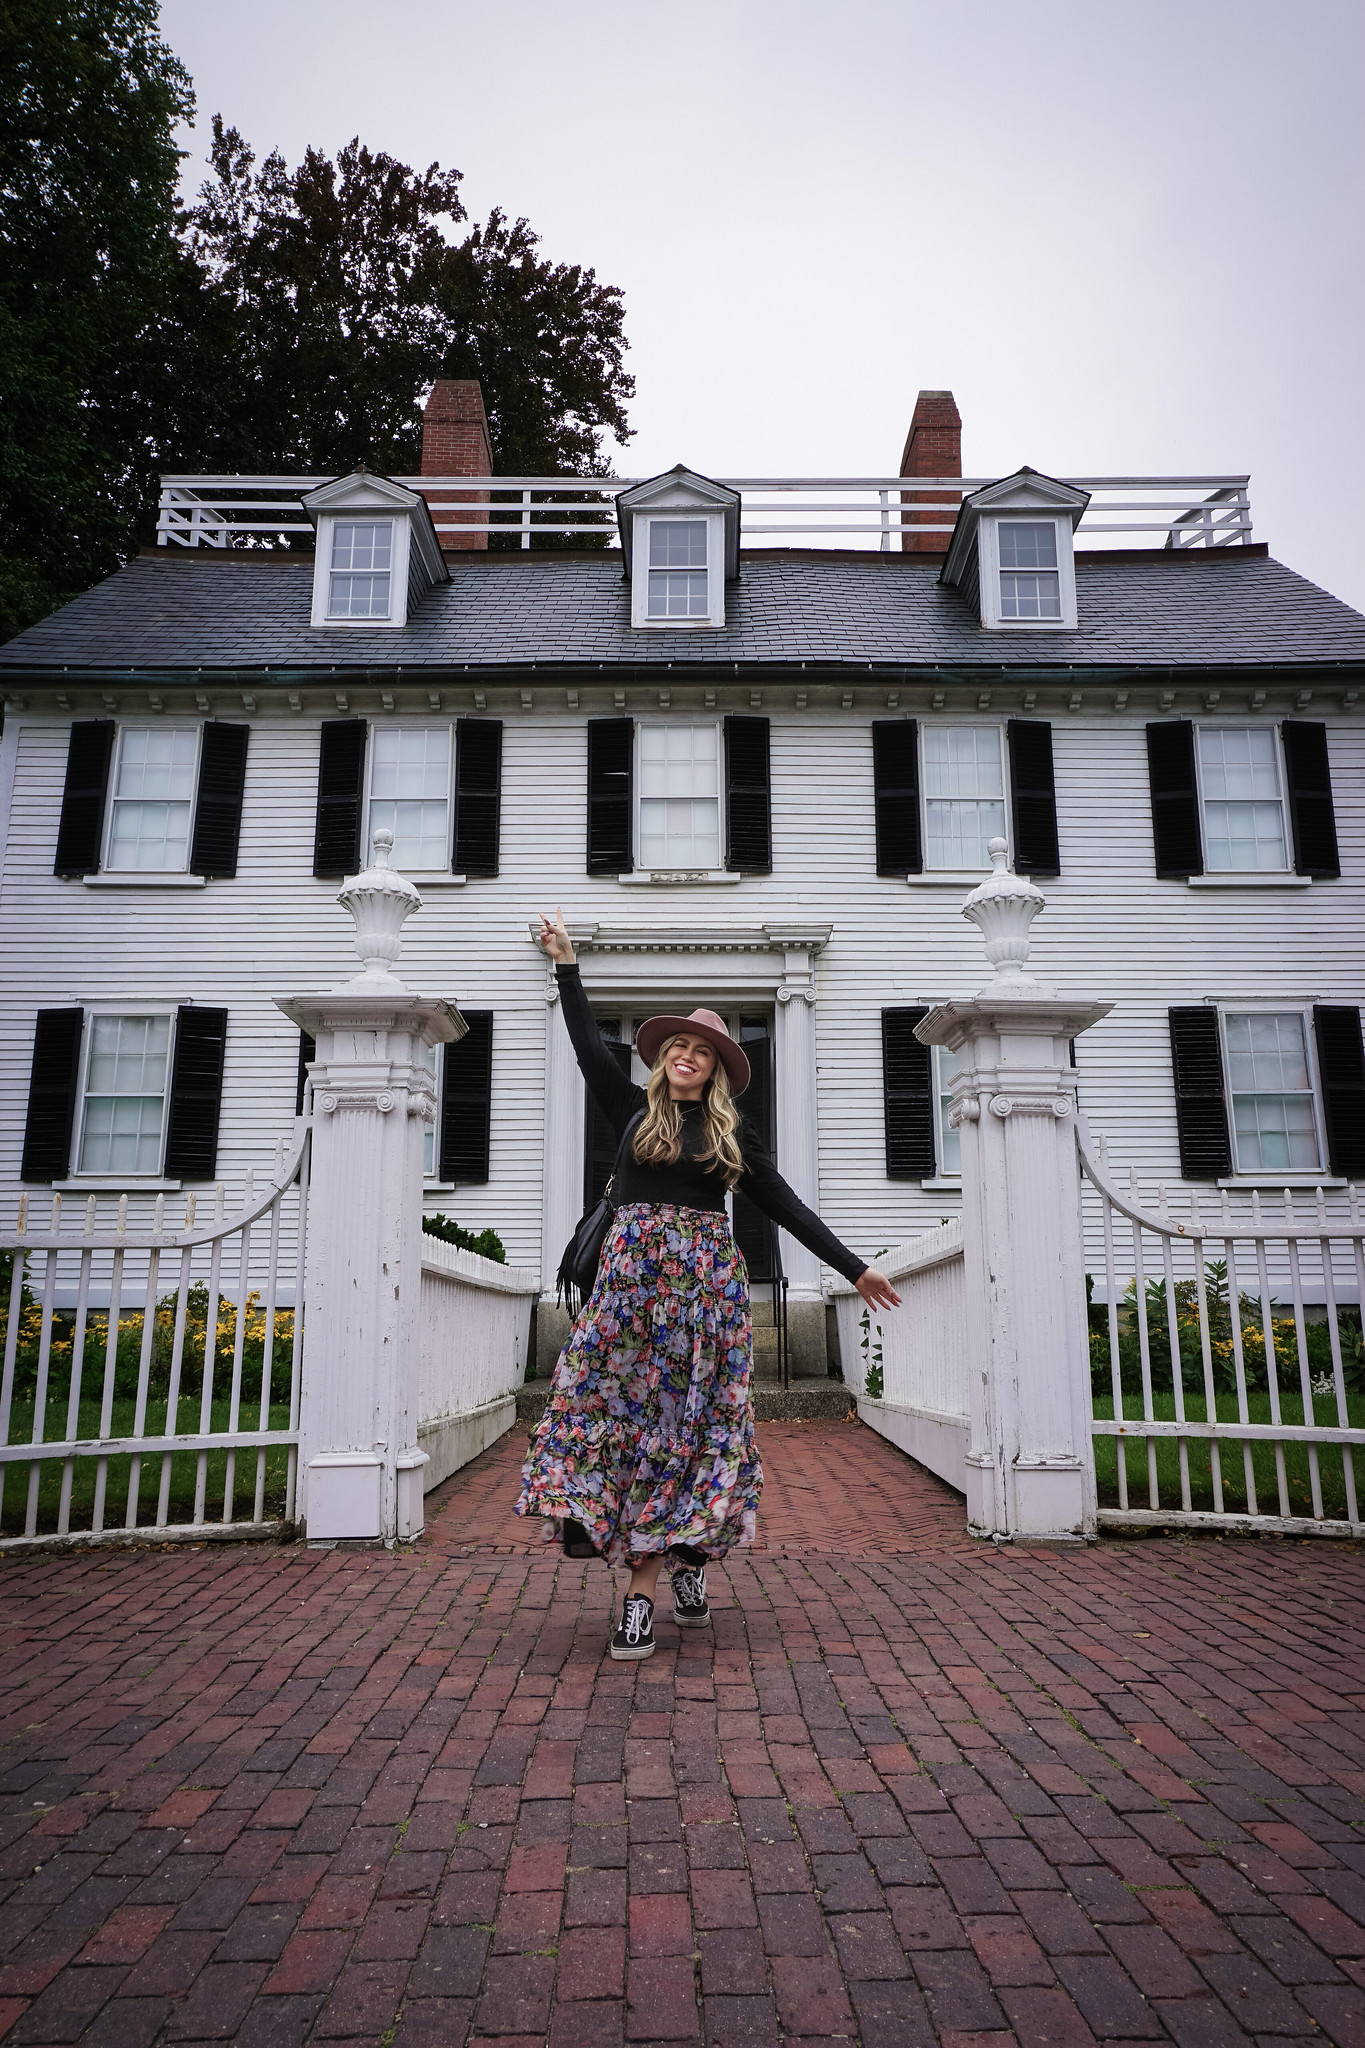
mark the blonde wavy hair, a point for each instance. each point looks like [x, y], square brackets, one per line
[658, 1136]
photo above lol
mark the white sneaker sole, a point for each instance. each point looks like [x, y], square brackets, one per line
[632, 1656]
[692, 1620]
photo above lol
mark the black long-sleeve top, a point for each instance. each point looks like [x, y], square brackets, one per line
[690, 1184]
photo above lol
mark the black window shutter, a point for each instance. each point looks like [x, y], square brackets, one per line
[895, 784]
[308, 1052]
[467, 1100]
[1341, 1070]
[1175, 800]
[196, 1093]
[1201, 1111]
[908, 1097]
[341, 787]
[478, 795]
[1033, 797]
[53, 1081]
[1310, 799]
[87, 784]
[611, 747]
[218, 806]
[748, 794]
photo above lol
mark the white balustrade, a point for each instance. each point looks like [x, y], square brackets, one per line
[1193, 511]
[474, 1333]
[909, 1368]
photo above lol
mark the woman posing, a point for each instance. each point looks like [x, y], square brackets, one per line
[646, 1452]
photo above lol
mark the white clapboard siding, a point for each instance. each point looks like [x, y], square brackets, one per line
[1110, 931]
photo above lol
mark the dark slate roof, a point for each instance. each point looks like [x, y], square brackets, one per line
[241, 613]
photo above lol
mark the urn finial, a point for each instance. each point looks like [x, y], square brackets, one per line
[379, 899]
[1002, 910]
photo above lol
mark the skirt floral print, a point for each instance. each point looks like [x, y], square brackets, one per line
[648, 1436]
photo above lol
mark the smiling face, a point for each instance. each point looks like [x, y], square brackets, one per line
[689, 1064]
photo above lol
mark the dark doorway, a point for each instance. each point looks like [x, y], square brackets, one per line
[599, 1139]
[754, 1233]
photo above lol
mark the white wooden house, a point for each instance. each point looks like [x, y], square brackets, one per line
[755, 747]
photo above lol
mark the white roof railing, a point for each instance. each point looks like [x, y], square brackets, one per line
[841, 511]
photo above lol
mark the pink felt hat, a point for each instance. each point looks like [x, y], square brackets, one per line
[701, 1024]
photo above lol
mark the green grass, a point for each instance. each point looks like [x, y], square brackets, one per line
[184, 1468]
[1263, 1457]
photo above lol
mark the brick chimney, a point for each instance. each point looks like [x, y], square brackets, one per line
[455, 443]
[933, 447]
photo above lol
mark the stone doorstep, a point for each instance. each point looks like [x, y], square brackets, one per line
[809, 1400]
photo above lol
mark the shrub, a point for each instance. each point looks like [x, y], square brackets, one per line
[486, 1243]
[1317, 1341]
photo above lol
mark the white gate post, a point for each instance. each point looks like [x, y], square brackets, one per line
[1030, 1473]
[360, 1467]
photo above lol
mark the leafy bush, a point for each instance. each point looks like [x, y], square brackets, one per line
[128, 1348]
[1317, 1340]
[486, 1243]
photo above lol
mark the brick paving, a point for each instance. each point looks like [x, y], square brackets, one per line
[907, 1789]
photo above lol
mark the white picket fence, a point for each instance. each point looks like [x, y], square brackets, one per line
[1217, 1403]
[200, 1430]
[475, 1339]
[909, 1370]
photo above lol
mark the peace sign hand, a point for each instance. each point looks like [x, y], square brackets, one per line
[554, 939]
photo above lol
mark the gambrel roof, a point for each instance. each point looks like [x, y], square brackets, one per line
[1205, 609]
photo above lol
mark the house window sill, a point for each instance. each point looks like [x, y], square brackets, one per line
[101, 1184]
[679, 878]
[140, 880]
[949, 878]
[439, 880]
[438, 1187]
[1271, 881]
[1284, 1180]
[950, 1185]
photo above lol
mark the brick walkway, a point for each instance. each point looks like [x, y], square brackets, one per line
[908, 1788]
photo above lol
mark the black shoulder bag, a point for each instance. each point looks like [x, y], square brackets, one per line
[577, 1274]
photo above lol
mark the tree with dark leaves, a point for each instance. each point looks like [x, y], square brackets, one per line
[89, 276]
[336, 294]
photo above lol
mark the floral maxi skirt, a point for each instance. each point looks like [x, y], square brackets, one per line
[648, 1436]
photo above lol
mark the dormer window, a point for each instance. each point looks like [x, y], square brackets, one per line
[1011, 553]
[362, 568]
[677, 569]
[680, 543]
[377, 552]
[1029, 583]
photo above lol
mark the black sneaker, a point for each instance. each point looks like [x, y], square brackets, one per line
[689, 1597]
[635, 1636]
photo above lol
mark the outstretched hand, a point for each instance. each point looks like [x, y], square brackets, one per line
[876, 1289]
[554, 939]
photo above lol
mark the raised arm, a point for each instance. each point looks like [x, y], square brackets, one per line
[615, 1094]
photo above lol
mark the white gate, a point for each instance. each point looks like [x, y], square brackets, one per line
[125, 1408]
[1218, 1402]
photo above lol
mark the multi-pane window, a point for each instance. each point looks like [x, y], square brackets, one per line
[410, 794]
[1030, 586]
[964, 794]
[125, 1094]
[679, 825]
[1239, 781]
[153, 802]
[1274, 1116]
[677, 569]
[949, 1139]
[362, 568]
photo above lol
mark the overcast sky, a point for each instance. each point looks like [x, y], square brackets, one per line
[1128, 238]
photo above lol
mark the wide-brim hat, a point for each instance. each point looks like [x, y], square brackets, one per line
[701, 1024]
